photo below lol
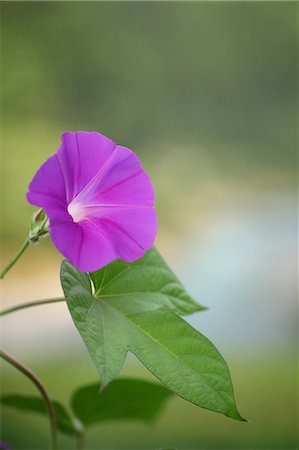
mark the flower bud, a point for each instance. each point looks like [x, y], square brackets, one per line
[38, 226]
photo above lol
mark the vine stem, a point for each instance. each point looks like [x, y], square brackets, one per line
[30, 304]
[29, 374]
[15, 258]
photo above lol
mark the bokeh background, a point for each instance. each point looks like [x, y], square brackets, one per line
[206, 95]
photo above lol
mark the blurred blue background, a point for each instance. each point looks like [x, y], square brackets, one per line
[206, 95]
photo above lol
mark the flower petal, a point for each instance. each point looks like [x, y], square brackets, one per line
[135, 190]
[132, 230]
[122, 166]
[47, 186]
[81, 156]
[83, 244]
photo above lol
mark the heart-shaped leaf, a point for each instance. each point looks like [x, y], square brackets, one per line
[149, 277]
[123, 399]
[117, 318]
[37, 405]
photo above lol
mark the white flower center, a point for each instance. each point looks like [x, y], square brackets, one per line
[77, 211]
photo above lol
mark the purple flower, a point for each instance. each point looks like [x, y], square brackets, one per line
[99, 201]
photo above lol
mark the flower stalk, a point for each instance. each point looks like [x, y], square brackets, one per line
[38, 229]
[15, 258]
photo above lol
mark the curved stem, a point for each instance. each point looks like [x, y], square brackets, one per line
[30, 304]
[15, 258]
[27, 372]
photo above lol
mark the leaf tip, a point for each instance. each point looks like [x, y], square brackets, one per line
[237, 416]
[203, 308]
[242, 419]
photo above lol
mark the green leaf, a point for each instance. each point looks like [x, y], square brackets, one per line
[123, 399]
[37, 405]
[150, 277]
[111, 324]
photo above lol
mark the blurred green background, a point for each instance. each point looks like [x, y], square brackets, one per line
[206, 94]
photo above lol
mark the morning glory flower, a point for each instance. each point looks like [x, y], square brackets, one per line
[99, 201]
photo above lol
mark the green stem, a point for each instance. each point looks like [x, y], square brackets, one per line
[15, 258]
[27, 372]
[80, 441]
[37, 231]
[30, 304]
